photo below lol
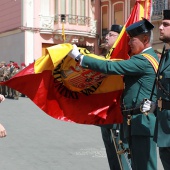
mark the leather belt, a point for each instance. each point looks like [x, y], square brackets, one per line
[134, 111]
[163, 104]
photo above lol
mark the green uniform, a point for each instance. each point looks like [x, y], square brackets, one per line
[139, 77]
[162, 129]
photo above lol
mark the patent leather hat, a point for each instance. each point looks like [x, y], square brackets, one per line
[116, 28]
[166, 14]
[139, 27]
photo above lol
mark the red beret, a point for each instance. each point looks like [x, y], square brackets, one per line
[23, 64]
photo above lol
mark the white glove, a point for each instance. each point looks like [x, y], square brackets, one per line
[147, 106]
[74, 52]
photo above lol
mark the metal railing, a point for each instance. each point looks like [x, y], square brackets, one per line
[73, 19]
[47, 23]
[158, 7]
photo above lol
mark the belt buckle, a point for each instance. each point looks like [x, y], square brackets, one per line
[160, 104]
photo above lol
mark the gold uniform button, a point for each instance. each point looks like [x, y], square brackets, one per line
[160, 77]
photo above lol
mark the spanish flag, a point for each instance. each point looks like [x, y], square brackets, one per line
[67, 92]
[142, 9]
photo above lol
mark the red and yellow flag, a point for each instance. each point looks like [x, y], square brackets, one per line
[120, 49]
[66, 91]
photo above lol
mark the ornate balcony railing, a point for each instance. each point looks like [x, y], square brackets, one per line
[158, 7]
[47, 22]
[73, 19]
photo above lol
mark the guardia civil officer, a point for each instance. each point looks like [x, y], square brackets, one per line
[162, 128]
[139, 76]
[111, 133]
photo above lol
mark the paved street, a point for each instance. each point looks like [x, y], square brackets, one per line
[36, 141]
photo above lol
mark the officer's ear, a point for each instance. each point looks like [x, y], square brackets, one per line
[145, 38]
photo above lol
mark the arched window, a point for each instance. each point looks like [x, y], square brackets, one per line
[105, 23]
[118, 13]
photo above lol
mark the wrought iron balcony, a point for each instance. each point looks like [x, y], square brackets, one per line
[73, 19]
[49, 23]
[158, 7]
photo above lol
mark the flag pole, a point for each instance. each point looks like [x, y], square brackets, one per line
[63, 32]
[63, 19]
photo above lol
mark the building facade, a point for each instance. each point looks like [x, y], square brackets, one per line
[28, 26]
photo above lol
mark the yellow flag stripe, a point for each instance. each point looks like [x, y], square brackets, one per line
[142, 9]
[55, 55]
[119, 37]
[152, 60]
[59, 52]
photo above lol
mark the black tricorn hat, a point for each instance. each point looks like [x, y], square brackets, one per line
[116, 28]
[166, 14]
[139, 27]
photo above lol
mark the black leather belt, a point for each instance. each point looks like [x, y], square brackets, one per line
[163, 104]
[134, 111]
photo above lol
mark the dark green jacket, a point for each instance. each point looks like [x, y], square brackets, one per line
[162, 130]
[139, 77]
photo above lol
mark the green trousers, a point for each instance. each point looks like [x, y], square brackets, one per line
[165, 157]
[143, 153]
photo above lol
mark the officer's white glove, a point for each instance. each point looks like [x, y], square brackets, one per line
[74, 52]
[147, 106]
